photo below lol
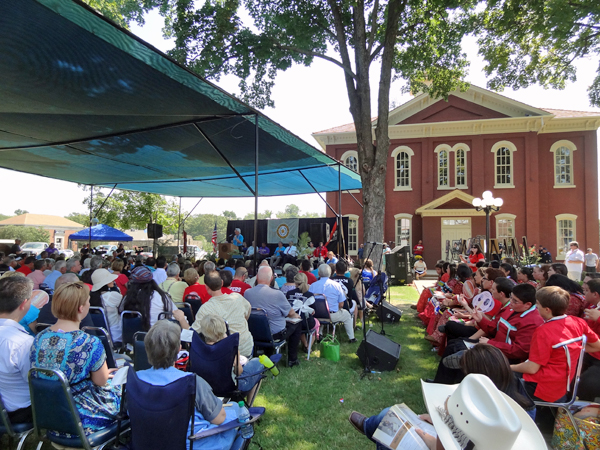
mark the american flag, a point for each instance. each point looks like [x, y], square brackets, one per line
[214, 238]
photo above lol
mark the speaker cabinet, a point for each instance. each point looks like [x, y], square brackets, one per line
[155, 231]
[388, 313]
[398, 268]
[383, 352]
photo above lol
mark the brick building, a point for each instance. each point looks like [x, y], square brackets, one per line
[541, 162]
[58, 227]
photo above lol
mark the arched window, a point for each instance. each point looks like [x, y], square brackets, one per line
[402, 158]
[404, 229]
[563, 163]
[350, 160]
[503, 164]
[566, 231]
[460, 165]
[443, 166]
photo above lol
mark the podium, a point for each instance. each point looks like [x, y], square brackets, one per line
[226, 249]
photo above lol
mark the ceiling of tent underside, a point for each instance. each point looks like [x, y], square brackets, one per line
[84, 101]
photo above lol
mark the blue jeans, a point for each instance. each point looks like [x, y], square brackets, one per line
[371, 424]
[252, 366]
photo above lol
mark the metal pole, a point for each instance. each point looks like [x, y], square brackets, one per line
[179, 225]
[255, 193]
[339, 208]
[91, 207]
[487, 234]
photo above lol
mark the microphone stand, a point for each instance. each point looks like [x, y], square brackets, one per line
[367, 370]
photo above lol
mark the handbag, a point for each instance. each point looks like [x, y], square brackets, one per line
[566, 437]
[330, 348]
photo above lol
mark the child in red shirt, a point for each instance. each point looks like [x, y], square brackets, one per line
[547, 372]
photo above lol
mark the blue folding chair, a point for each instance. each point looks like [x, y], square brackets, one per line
[104, 336]
[98, 316]
[54, 409]
[187, 310]
[322, 313]
[160, 415]
[258, 324]
[131, 323]
[15, 431]
[140, 357]
[214, 364]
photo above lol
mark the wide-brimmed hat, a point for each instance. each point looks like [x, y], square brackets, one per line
[478, 412]
[101, 277]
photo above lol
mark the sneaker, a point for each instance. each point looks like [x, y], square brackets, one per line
[353, 341]
[453, 361]
[413, 306]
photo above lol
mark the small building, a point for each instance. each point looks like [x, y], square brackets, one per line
[59, 228]
[542, 162]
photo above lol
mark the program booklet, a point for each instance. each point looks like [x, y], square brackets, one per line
[398, 429]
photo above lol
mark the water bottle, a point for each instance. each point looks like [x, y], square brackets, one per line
[266, 361]
[247, 430]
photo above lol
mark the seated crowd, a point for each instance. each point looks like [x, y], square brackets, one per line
[221, 300]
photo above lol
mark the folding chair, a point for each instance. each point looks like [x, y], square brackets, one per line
[187, 310]
[18, 431]
[54, 409]
[131, 323]
[214, 364]
[193, 299]
[255, 414]
[140, 357]
[310, 334]
[575, 382]
[322, 313]
[98, 316]
[160, 415]
[258, 325]
[104, 336]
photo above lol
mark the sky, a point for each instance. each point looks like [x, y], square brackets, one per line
[307, 100]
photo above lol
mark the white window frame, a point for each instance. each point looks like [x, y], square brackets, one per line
[397, 218]
[438, 150]
[512, 148]
[464, 148]
[395, 154]
[559, 239]
[571, 147]
[351, 217]
[505, 216]
[347, 155]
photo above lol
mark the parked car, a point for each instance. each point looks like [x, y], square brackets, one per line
[33, 248]
[106, 249]
[67, 253]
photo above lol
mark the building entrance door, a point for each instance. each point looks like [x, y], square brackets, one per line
[453, 230]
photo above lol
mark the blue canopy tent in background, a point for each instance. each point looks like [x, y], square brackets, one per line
[86, 101]
[100, 232]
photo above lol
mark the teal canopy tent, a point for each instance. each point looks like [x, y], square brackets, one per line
[85, 101]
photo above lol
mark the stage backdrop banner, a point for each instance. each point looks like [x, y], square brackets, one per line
[282, 230]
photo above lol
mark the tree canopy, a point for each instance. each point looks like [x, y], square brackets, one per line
[83, 219]
[26, 234]
[529, 42]
[122, 12]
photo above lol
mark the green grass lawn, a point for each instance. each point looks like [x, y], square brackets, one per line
[304, 404]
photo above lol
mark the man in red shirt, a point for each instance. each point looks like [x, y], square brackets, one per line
[589, 388]
[306, 271]
[27, 265]
[320, 251]
[510, 331]
[548, 372]
[239, 284]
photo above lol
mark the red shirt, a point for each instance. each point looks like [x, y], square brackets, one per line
[25, 270]
[551, 379]
[320, 251]
[513, 343]
[595, 326]
[418, 250]
[199, 289]
[121, 283]
[239, 286]
[311, 278]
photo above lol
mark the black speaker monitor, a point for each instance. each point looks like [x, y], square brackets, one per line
[383, 352]
[155, 231]
[388, 312]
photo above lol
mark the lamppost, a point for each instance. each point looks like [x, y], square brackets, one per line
[487, 203]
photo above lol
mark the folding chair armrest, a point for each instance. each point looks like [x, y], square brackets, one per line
[255, 414]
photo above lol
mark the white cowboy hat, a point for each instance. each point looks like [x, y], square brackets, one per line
[478, 412]
[101, 277]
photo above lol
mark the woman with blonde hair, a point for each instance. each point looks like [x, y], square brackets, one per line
[79, 356]
[302, 294]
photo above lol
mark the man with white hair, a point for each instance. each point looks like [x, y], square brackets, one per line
[60, 268]
[209, 266]
[74, 265]
[336, 297]
[173, 284]
[49, 266]
[278, 309]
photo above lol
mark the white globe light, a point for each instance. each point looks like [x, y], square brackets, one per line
[487, 194]
[498, 202]
[476, 202]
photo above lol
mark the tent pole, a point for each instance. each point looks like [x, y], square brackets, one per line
[106, 199]
[179, 225]
[355, 199]
[318, 193]
[255, 194]
[91, 208]
[339, 208]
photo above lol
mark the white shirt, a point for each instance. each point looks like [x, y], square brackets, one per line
[159, 275]
[111, 301]
[291, 250]
[331, 290]
[15, 346]
[590, 259]
[571, 258]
